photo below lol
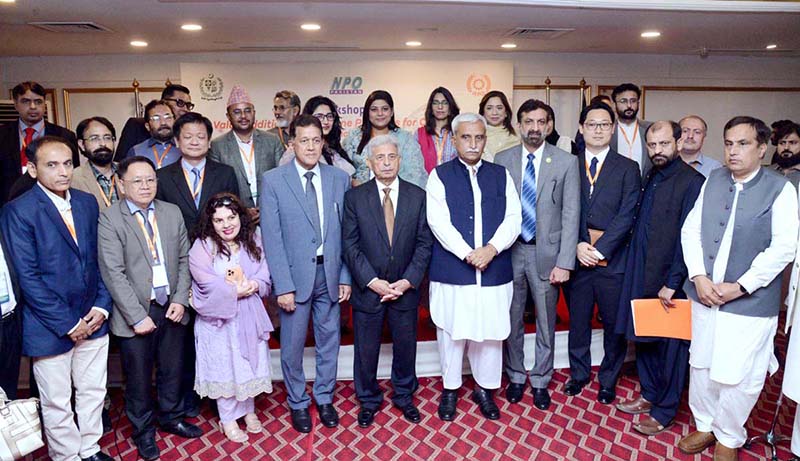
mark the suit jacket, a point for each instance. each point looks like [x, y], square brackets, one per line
[267, 154]
[126, 262]
[646, 162]
[133, 133]
[366, 249]
[288, 232]
[83, 178]
[557, 205]
[172, 188]
[60, 280]
[10, 166]
[611, 207]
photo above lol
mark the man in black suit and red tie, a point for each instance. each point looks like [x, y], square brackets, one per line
[29, 101]
[386, 243]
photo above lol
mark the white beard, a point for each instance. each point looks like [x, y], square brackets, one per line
[282, 123]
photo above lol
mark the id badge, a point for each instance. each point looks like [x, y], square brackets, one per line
[160, 276]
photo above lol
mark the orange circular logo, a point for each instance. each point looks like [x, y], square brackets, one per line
[478, 84]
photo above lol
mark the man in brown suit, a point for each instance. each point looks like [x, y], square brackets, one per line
[96, 137]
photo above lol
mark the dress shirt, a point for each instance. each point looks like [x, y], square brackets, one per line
[705, 165]
[317, 181]
[5, 273]
[245, 149]
[145, 149]
[537, 161]
[150, 215]
[601, 157]
[63, 205]
[38, 128]
[393, 194]
[105, 181]
[634, 150]
[187, 168]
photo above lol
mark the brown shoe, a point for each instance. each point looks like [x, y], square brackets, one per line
[723, 453]
[648, 425]
[696, 442]
[635, 407]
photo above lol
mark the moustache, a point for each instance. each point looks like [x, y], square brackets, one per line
[102, 156]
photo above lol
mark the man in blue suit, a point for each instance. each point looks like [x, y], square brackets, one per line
[609, 190]
[301, 211]
[52, 230]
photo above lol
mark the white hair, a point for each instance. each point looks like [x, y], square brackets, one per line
[381, 140]
[467, 117]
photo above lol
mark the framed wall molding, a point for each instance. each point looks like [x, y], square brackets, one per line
[69, 92]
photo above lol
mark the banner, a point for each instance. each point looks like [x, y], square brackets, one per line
[347, 84]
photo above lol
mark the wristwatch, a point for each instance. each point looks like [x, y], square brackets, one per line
[741, 288]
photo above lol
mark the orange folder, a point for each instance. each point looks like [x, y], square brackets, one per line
[650, 319]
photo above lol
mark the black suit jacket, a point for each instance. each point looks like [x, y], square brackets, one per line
[10, 166]
[611, 207]
[133, 133]
[172, 188]
[366, 250]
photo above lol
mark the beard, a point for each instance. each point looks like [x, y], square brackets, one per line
[282, 123]
[628, 114]
[163, 135]
[787, 161]
[102, 156]
[534, 138]
[660, 160]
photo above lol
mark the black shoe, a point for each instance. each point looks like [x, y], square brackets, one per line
[301, 420]
[366, 417]
[106, 422]
[606, 395]
[483, 397]
[447, 404]
[541, 398]
[574, 387]
[183, 429]
[514, 392]
[99, 456]
[411, 413]
[147, 448]
[328, 415]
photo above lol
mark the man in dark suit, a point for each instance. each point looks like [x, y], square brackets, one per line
[29, 101]
[609, 190]
[189, 183]
[11, 323]
[387, 267]
[53, 232]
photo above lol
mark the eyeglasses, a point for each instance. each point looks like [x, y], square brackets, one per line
[604, 126]
[181, 103]
[322, 117]
[222, 201]
[158, 118]
[96, 139]
[440, 103]
[141, 182]
[626, 101]
[239, 112]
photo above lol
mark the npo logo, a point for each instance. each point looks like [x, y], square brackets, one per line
[347, 85]
[478, 84]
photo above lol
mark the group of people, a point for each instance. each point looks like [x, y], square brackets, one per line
[175, 242]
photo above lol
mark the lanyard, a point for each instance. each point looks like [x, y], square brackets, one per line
[248, 158]
[591, 179]
[160, 160]
[107, 198]
[630, 141]
[280, 135]
[440, 147]
[150, 241]
[194, 192]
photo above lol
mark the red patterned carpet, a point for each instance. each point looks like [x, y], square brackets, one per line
[576, 428]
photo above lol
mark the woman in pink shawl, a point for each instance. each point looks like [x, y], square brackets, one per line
[229, 278]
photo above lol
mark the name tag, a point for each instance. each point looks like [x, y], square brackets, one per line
[160, 276]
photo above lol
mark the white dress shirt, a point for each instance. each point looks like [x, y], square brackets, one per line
[537, 161]
[317, 181]
[716, 333]
[393, 193]
[472, 312]
[633, 150]
[249, 163]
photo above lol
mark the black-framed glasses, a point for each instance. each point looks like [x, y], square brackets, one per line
[181, 103]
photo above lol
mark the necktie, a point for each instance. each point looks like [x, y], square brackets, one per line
[529, 201]
[593, 167]
[160, 292]
[473, 170]
[388, 213]
[23, 159]
[313, 207]
[195, 185]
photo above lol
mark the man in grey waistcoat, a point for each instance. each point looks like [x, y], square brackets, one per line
[737, 240]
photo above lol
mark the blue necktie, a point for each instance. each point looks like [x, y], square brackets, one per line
[529, 201]
[593, 168]
[195, 185]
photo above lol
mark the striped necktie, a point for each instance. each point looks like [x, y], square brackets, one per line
[529, 201]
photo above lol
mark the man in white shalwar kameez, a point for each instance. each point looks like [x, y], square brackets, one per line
[791, 375]
[475, 214]
[737, 240]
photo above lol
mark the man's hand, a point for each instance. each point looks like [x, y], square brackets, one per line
[81, 332]
[558, 276]
[286, 302]
[175, 312]
[729, 291]
[708, 293]
[144, 327]
[586, 255]
[665, 295]
[481, 257]
[344, 292]
[400, 287]
[384, 289]
[94, 319]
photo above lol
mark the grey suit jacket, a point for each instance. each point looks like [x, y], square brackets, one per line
[268, 152]
[83, 178]
[558, 205]
[125, 262]
[646, 162]
[288, 233]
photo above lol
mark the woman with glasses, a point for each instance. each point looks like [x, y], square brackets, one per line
[229, 279]
[378, 119]
[333, 153]
[500, 134]
[435, 137]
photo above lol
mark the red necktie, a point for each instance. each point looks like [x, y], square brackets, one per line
[23, 159]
